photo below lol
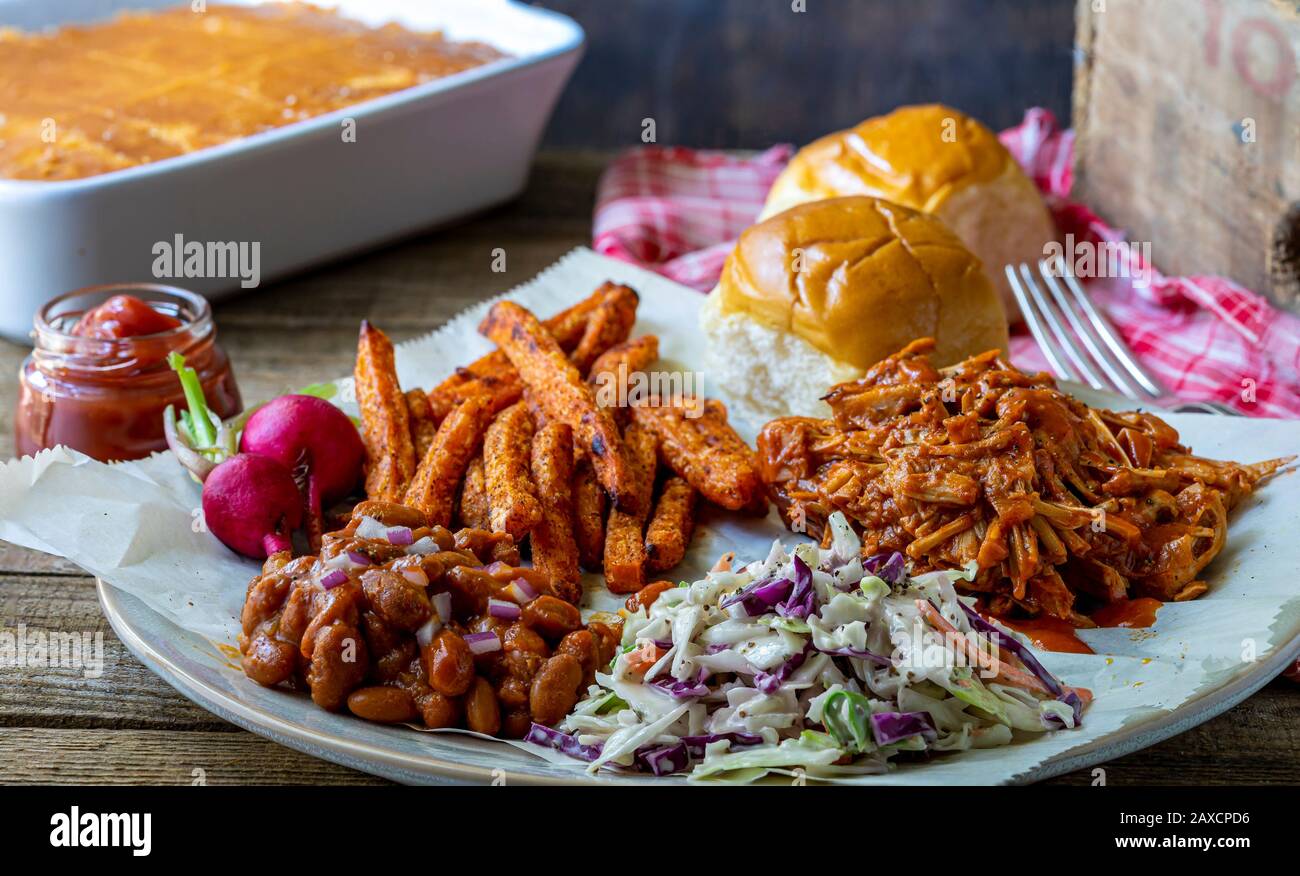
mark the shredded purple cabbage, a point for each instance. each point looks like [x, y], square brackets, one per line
[663, 760]
[888, 567]
[564, 743]
[1002, 640]
[802, 598]
[891, 727]
[859, 653]
[695, 744]
[770, 682]
[760, 597]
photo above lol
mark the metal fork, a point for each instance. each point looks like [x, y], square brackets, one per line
[1079, 342]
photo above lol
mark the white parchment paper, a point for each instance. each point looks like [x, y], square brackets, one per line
[137, 526]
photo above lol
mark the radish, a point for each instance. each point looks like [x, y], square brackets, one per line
[252, 504]
[314, 440]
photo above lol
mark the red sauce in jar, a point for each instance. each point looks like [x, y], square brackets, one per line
[98, 379]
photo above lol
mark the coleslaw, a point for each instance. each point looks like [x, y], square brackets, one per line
[812, 659]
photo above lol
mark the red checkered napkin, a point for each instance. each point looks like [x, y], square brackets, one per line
[678, 211]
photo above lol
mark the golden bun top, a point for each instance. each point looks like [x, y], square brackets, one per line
[916, 156]
[859, 278]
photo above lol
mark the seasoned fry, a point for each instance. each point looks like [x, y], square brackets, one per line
[669, 532]
[625, 359]
[609, 324]
[564, 397]
[555, 552]
[472, 508]
[512, 501]
[624, 543]
[385, 426]
[493, 374]
[705, 450]
[433, 489]
[611, 374]
[423, 425]
[588, 515]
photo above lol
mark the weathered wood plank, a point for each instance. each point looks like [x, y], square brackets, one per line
[155, 757]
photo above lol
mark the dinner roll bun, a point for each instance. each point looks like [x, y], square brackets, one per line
[938, 160]
[817, 294]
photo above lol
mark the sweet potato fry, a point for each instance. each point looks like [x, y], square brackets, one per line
[611, 374]
[472, 508]
[512, 499]
[423, 425]
[705, 450]
[433, 489]
[385, 426]
[625, 359]
[564, 397]
[669, 532]
[493, 374]
[609, 324]
[624, 533]
[588, 515]
[555, 552]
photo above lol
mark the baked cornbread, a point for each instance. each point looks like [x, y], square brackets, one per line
[141, 87]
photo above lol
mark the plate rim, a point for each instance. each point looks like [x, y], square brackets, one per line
[432, 769]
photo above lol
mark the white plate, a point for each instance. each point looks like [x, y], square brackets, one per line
[1190, 641]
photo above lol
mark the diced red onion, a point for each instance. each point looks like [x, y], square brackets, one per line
[503, 609]
[521, 591]
[333, 579]
[400, 535]
[416, 576]
[424, 635]
[426, 545]
[442, 605]
[483, 643]
[358, 558]
[370, 528]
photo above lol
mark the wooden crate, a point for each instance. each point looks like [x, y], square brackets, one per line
[1188, 122]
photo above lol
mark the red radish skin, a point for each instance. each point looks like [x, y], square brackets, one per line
[252, 505]
[314, 440]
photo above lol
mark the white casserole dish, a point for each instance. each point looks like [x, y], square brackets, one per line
[422, 157]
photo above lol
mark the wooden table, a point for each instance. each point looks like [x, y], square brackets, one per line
[128, 727]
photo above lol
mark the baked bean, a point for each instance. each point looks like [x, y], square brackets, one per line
[268, 660]
[482, 712]
[437, 710]
[519, 637]
[470, 589]
[338, 665]
[645, 597]
[608, 638]
[484, 544]
[387, 705]
[400, 602]
[390, 649]
[555, 689]
[449, 663]
[552, 617]
[582, 645]
[513, 691]
[388, 513]
[516, 724]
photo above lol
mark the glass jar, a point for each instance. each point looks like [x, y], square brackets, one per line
[105, 396]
